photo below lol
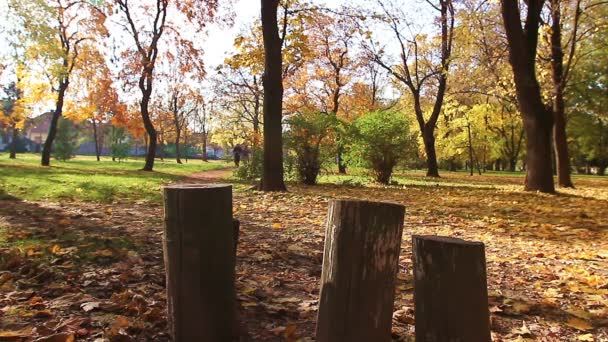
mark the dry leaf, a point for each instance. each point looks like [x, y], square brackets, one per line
[579, 324]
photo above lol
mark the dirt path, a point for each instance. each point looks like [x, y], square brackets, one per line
[209, 176]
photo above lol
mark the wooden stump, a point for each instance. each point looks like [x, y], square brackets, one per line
[360, 264]
[450, 290]
[199, 252]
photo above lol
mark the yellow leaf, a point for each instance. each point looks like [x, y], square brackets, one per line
[277, 225]
[64, 222]
[56, 249]
[103, 253]
[290, 331]
[579, 324]
[13, 334]
[585, 337]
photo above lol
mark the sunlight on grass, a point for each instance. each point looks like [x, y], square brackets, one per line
[85, 179]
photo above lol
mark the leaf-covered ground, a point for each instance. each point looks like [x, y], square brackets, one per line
[94, 271]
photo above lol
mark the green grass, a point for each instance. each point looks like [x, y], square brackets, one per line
[450, 179]
[85, 179]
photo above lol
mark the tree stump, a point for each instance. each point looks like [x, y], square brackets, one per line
[199, 252]
[360, 264]
[450, 290]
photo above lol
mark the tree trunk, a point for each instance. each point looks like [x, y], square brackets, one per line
[560, 141]
[177, 151]
[470, 149]
[449, 275]
[512, 164]
[539, 171]
[15, 131]
[431, 156]
[145, 85]
[199, 254]
[205, 157]
[341, 165]
[48, 143]
[96, 139]
[360, 266]
[538, 121]
[272, 175]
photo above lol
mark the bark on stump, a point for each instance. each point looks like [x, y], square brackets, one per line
[199, 252]
[450, 290]
[360, 264]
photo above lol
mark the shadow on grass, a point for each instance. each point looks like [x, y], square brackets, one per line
[36, 229]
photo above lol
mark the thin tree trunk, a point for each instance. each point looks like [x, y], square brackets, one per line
[145, 85]
[177, 151]
[272, 176]
[15, 131]
[48, 143]
[470, 149]
[96, 139]
[204, 146]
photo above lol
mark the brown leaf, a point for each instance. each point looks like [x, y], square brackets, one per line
[579, 324]
[63, 337]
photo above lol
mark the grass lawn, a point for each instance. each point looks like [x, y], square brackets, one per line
[85, 179]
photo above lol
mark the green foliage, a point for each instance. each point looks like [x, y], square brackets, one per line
[250, 170]
[380, 140]
[65, 141]
[309, 137]
[120, 146]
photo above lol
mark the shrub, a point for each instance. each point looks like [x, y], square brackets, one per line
[250, 170]
[380, 140]
[65, 141]
[310, 138]
[120, 146]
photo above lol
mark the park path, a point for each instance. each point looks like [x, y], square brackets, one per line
[209, 176]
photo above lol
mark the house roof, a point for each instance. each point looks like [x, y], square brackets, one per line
[40, 124]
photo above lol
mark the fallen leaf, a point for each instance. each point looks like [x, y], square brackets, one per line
[90, 306]
[579, 324]
[64, 222]
[8, 334]
[63, 337]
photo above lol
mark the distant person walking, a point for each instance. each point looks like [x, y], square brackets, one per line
[236, 152]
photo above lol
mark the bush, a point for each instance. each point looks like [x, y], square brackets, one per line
[380, 140]
[250, 170]
[310, 138]
[120, 147]
[65, 141]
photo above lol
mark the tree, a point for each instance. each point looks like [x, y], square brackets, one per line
[13, 114]
[483, 62]
[147, 22]
[332, 39]
[97, 99]
[56, 31]
[66, 140]
[537, 119]
[183, 102]
[416, 71]
[201, 117]
[272, 176]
